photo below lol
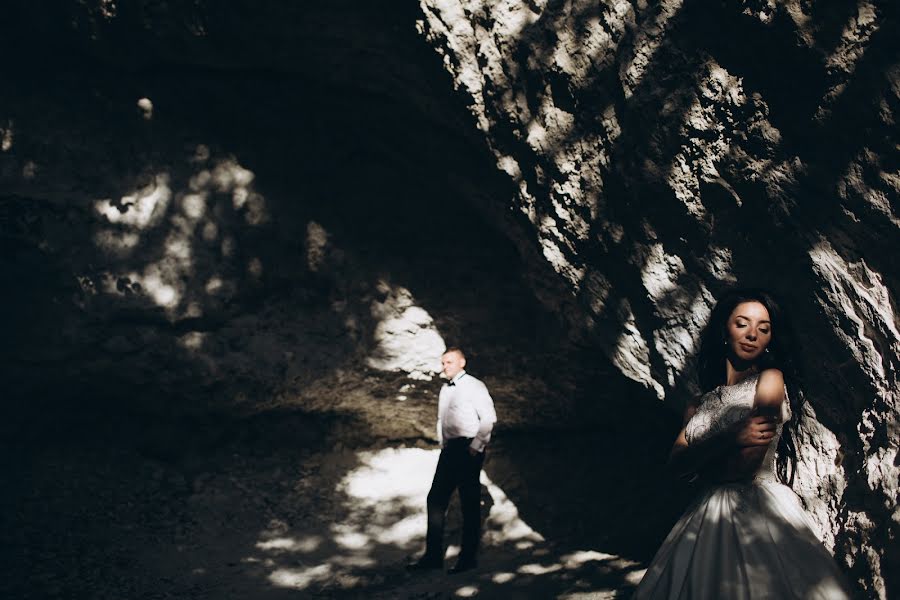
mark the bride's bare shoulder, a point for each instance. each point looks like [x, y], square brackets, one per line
[770, 388]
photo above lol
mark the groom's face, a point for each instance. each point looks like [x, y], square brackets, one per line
[452, 363]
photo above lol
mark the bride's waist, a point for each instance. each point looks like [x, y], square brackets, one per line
[762, 477]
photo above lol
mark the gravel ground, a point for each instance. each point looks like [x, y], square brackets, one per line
[265, 509]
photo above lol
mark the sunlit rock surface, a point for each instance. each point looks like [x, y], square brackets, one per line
[662, 151]
[235, 242]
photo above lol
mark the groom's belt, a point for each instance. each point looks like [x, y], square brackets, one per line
[458, 440]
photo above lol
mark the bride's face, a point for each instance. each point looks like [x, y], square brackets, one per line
[749, 331]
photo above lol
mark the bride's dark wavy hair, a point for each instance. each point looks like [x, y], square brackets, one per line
[779, 355]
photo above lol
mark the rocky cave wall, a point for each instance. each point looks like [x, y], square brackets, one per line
[663, 151]
[262, 208]
[256, 205]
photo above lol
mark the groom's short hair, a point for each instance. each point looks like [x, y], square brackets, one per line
[456, 349]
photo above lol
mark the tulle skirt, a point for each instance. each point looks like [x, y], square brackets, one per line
[743, 541]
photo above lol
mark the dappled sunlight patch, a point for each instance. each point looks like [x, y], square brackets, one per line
[200, 181]
[301, 578]
[228, 246]
[872, 306]
[210, 231]
[707, 137]
[189, 235]
[348, 539]
[661, 272]
[856, 38]
[718, 262]
[255, 267]
[577, 559]
[214, 285]
[581, 568]
[634, 577]
[504, 524]
[385, 520]
[378, 523]
[538, 569]
[107, 9]
[256, 212]
[303, 545]
[355, 561]
[229, 176]
[145, 105]
[405, 336]
[554, 247]
[162, 293]
[179, 248]
[145, 208]
[377, 478]
[649, 38]
[502, 577]
[402, 531]
[316, 244]
[663, 276]
[386, 503]
[192, 340]
[202, 153]
[6, 137]
[193, 205]
[118, 244]
[592, 595]
[29, 170]
[405, 389]
[632, 355]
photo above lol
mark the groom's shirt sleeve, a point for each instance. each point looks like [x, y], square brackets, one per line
[484, 407]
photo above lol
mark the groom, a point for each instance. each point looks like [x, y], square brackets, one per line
[465, 419]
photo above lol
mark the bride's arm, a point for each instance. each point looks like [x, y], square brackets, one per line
[767, 404]
[687, 459]
[715, 451]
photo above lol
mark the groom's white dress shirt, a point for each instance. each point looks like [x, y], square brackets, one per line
[465, 409]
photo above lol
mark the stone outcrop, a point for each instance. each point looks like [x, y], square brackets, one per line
[663, 151]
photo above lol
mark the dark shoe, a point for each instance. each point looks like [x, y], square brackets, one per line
[463, 566]
[425, 564]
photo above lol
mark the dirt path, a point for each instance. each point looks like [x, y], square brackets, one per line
[255, 519]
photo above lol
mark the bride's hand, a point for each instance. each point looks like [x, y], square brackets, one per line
[756, 430]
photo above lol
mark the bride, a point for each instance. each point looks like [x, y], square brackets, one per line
[746, 536]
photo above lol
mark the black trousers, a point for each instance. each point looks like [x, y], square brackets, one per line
[456, 469]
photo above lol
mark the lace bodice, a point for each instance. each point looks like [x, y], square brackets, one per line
[726, 405]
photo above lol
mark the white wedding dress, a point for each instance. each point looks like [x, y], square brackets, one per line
[746, 540]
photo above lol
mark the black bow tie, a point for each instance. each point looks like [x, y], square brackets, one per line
[451, 383]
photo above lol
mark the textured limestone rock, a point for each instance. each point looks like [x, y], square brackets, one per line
[221, 238]
[405, 336]
[662, 151]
